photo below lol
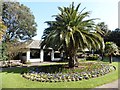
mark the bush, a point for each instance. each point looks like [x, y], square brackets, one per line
[10, 64]
[92, 57]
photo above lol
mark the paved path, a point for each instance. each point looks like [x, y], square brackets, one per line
[111, 86]
[114, 84]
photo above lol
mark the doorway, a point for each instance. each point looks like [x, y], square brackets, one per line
[47, 54]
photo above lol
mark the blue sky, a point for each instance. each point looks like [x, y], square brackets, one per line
[107, 11]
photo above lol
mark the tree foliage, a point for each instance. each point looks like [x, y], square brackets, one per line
[103, 27]
[19, 20]
[115, 36]
[2, 30]
[21, 25]
[15, 48]
[111, 48]
[105, 31]
[2, 33]
[72, 31]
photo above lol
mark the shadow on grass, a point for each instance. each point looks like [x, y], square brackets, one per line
[44, 68]
[115, 59]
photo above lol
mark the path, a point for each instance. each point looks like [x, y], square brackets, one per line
[111, 86]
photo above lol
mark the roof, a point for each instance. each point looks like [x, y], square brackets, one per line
[33, 44]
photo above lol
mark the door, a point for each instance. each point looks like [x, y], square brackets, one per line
[47, 54]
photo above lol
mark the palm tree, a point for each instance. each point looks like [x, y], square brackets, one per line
[104, 28]
[104, 34]
[70, 31]
[105, 31]
[110, 49]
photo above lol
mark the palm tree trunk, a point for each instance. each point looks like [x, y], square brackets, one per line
[71, 62]
[102, 56]
[110, 58]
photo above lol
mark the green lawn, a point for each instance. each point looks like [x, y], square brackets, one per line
[13, 79]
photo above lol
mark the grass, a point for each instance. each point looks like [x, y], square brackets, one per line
[12, 79]
[63, 68]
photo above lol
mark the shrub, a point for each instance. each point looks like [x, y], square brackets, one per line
[92, 57]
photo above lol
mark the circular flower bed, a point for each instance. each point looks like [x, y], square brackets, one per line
[36, 75]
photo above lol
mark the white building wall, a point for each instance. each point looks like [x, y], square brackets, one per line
[41, 59]
[36, 59]
[53, 58]
[52, 55]
[28, 55]
[41, 55]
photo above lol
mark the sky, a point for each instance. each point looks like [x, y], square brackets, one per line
[105, 10]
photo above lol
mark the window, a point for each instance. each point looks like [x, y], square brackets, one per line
[34, 53]
[23, 54]
[57, 55]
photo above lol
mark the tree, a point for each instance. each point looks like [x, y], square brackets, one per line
[2, 30]
[2, 33]
[103, 27]
[20, 24]
[115, 36]
[72, 31]
[105, 33]
[12, 52]
[19, 20]
[110, 49]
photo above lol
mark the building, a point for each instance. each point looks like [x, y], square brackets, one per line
[34, 53]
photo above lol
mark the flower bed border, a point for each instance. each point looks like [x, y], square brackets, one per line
[67, 77]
